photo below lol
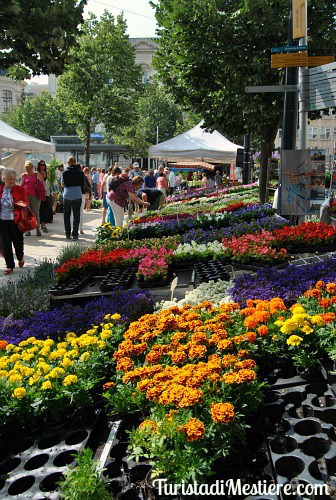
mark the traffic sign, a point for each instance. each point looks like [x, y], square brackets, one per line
[294, 48]
[319, 60]
[271, 88]
[325, 103]
[323, 68]
[289, 60]
[299, 18]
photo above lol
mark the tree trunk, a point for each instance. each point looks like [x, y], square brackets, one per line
[87, 144]
[267, 140]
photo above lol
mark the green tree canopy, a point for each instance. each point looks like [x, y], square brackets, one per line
[157, 116]
[102, 85]
[38, 35]
[211, 49]
[40, 117]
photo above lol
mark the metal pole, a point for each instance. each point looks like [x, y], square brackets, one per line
[290, 111]
[157, 134]
[304, 96]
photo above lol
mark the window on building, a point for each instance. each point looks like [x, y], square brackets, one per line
[145, 77]
[325, 133]
[312, 133]
[7, 100]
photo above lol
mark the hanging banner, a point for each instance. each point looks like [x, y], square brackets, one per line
[299, 18]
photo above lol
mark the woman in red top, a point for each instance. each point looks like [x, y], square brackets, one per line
[28, 181]
[10, 194]
[117, 197]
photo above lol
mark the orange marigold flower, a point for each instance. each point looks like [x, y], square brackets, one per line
[333, 300]
[222, 413]
[331, 288]
[315, 293]
[328, 317]
[199, 338]
[190, 397]
[154, 392]
[248, 311]
[148, 426]
[246, 375]
[3, 344]
[143, 385]
[108, 386]
[251, 336]
[243, 353]
[251, 321]
[197, 351]
[263, 330]
[153, 357]
[320, 284]
[213, 377]
[246, 363]
[224, 345]
[124, 364]
[228, 360]
[194, 429]
[238, 339]
[325, 303]
[178, 357]
[206, 304]
[230, 378]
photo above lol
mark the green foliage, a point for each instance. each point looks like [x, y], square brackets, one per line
[28, 295]
[211, 49]
[84, 481]
[53, 164]
[40, 117]
[96, 203]
[100, 87]
[72, 251]
[38, 35]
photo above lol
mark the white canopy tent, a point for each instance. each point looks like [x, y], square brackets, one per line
[196, 144]
[20, 143]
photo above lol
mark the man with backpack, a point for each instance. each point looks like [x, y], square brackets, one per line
[73, 184]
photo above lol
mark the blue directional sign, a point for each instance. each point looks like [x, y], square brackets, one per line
[294, 48]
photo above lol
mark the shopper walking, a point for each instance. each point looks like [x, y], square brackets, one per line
[29, 181]
[73, 183]
[10, 194]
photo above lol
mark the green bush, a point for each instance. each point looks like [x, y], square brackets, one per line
[96, 203]
[84, 481]
[29, 294]
[74, 250]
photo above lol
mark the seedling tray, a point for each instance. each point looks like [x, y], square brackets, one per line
[71, 286]
[213, 270]
[117, 278]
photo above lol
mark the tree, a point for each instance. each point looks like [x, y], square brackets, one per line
[101, 87]
[38, 35]
[211, 49]
[40, 117]
[158, 116]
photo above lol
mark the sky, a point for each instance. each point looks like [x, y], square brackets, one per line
[139, 17]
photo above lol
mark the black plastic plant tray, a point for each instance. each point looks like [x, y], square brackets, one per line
[36, 461]
[213, 270]
[71, 286]
[299, 425]
[117, 278]
[287, 375]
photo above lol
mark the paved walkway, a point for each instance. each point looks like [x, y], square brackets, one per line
[47, 246]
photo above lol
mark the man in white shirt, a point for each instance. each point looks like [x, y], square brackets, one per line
[171, 180]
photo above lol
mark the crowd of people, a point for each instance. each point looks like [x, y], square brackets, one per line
[121, 190]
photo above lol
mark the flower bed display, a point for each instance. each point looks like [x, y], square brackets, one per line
[311, 236]
[186, 252]
[199, 382]
[286, 284]
[255, 248]
[54, 324]
[91, 262]
[44, 377]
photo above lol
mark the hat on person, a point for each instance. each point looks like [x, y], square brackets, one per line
[166, 169]
[135, 164]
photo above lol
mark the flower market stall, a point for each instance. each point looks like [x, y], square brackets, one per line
[232, 382]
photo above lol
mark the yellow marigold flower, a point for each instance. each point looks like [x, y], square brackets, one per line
[69, 336]
[317, 320]
[101, 344]
[9, 347]
[222, 413]
[33, 350]
[46, 385]
[3, 373]
[44, 367]
[294, 340]
[16, 377]
[194, 429]
[106, 334]
[56, 372]
[19, 393]
[14, 358]
[115, 317]
[72, 354]
[28, 357]
[45, 351]
[26, 371]
[297, 309]
[84, 357]
[278, 322]
[288, 327]
[107, 317]
[307, 329]
[274, 337]
[35, 378]
[67, 362]
[92, 331]
[70, 379]
[49, 342]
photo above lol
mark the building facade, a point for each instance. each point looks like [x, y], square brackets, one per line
[10, 92]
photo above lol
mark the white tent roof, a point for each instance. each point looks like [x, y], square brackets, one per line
[197, 144]
[13, 139]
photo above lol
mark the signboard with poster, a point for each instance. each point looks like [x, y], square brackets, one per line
[303, 181]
